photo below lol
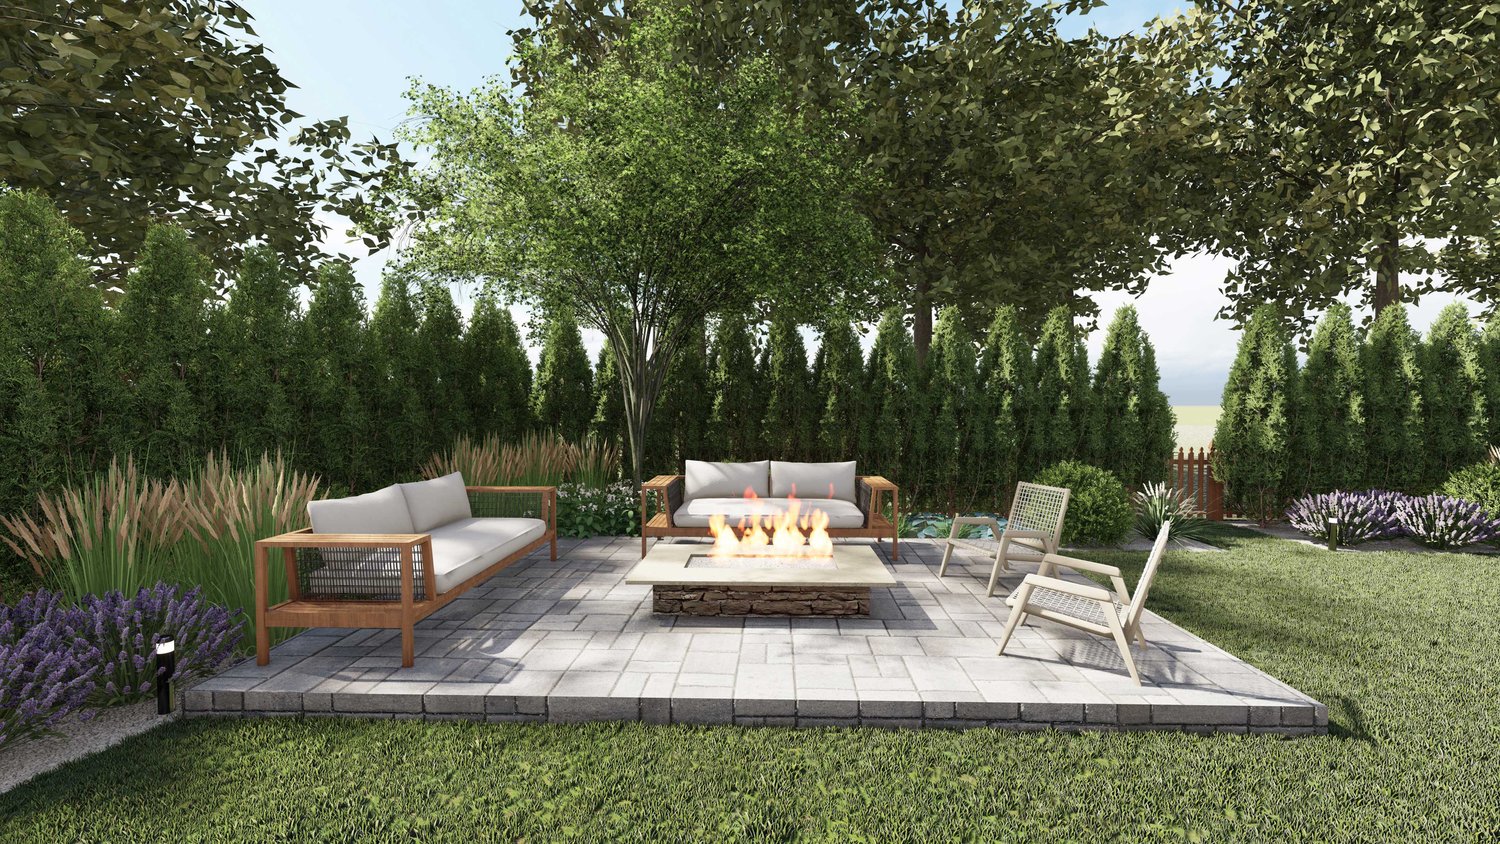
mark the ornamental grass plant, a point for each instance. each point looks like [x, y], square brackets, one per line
[537, 458]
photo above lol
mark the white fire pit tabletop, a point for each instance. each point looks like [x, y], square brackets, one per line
[669, 564]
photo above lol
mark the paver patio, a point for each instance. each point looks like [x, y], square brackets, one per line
[570, 641]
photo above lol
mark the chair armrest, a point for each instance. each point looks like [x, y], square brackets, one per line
[1016, 533]
[976, 520]
[1081, 565]
[1081, 590]
[671, 489]
[307, 539]
[406, 545]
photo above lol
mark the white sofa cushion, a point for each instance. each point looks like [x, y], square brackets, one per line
[381, 511]
[467, 547]
[813, 480]
[437, 502]
[725, 480]
[696, 512]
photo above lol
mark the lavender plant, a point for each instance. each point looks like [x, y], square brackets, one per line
[1438, 521]
[47, 669]
[127, 630]
[1362, 516]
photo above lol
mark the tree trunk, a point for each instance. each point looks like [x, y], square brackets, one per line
[641, 375]
[1388, 272]
[921, 321]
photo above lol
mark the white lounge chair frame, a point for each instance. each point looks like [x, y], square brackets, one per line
[1116, 614]
[1033, 529]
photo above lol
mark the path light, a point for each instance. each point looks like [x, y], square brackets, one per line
[166, 664]
[1332, 525]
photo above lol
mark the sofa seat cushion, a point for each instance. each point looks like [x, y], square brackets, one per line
[702, 479]
[436, 502]
[381, 511]
[813, 480]
[696, 512]
[467, 547]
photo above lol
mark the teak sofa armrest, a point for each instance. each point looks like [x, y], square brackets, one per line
[308, 539]
[549, 502]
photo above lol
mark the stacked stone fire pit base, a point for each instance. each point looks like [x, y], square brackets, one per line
[696, 599]
[684, 580]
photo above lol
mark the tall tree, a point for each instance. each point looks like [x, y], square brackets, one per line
[159, 350]
[1358, 159]
[1133, 428]
[1252, 440]
[1061, 414]
[893, 401]
[444, 380]
[498, 371]
[562, 399]
[338, 379]
[839, 393]
[50, 349]
[1006, 378]
[735, 195]
[734, 416]
[1395, 446]
[952, 399]
[1489, 364]
[396, 401]
[171, 111]
[683, 411]
[260, 323]
[786, 429]
[1452, 395]
[608, 422]
[1329, 450]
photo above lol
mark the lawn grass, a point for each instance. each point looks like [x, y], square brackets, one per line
[1401, 646]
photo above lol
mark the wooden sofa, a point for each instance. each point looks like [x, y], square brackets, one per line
[392, 557]
[665, 497]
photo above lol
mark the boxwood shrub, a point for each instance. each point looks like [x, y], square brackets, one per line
[1479, 484]
[1099, 512]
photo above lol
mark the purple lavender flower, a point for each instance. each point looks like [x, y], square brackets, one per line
[47, 670]
[1365, 515]
[1438, 521]
[206, 636]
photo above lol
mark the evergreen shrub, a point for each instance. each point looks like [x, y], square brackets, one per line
[1099, 511]
[1479, 484]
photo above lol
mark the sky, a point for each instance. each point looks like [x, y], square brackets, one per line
[358, 57]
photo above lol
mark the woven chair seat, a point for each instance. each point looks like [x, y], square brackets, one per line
[1062, 603]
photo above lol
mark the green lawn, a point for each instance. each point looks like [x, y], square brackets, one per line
[1402, 647]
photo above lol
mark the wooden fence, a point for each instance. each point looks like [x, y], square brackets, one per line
[1191, 472]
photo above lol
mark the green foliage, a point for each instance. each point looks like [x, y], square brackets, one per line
[682, 411]
[735, 413]
[1156, 503]
[1007, 404]
[498, 370]
[608, 422]
[584, 511]
[1132, 431]
[52, 351]
[1395, 450]
[891, 389]
[1455, 425]
[953, 400]
[563, 394]
[1099, 511]
[1253, 439]
[172, 111]
[260, 322]
[786, 429]
[1489, 364]
[338, 379]
[440, 355]
[1329, 451]
[401, 435]
[840, 389]
[1060, 416]
[1479, 483]
[734, 197]
[1377, 143]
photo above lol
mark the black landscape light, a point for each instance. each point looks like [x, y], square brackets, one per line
[166, 664]
[1332, 524]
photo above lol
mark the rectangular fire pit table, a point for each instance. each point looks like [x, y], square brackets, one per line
[685, 580]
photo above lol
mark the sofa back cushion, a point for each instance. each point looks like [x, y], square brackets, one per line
[437, 502]
[725, 480]
[381, 511]
[813, 480]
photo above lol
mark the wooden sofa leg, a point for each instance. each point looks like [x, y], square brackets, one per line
[408, 645]
[554, 546]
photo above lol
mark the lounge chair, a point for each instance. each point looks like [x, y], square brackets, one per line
[1033, 530]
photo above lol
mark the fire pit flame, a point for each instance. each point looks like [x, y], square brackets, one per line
[794, 533]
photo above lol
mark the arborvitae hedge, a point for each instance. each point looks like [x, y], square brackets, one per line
[444, 380]
[1329, 451]
[1395, 453]
[562, 398]
[339, 380]
[890, 389]
[678, 429]
[1489, 364]
[397, 402]
[734, 414]
[499, 371]
[1060, 415]
[786, 429]
[839, 392]
[1452, 396]
[1006, 379]
[1253, 437]
[1133, 431]
[954, 437]
[608, 423]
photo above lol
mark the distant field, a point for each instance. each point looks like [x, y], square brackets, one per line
[1195, 424]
